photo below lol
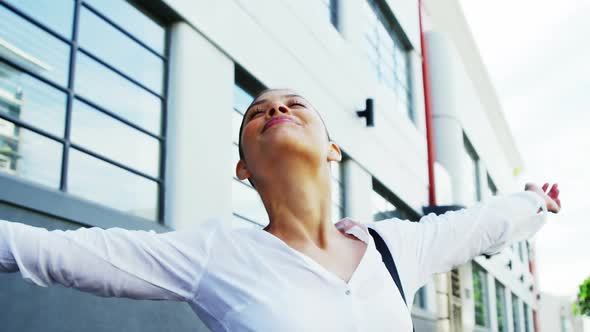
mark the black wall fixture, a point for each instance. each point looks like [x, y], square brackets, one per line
[367, 113]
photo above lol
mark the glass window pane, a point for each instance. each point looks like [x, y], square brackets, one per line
[134, 21]
[480, 296]
[336, 193]
[113, 139]
[501, 307]
[120, 51]
[29, 155]
[33, 48]
[247, 203]
[31, 100]
[239, 222]
[113, 92]
[515, 314]
[56, 14]
[337, 213]
[101, 182]
[241, 99]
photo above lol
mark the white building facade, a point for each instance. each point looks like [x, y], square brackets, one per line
[126, 114]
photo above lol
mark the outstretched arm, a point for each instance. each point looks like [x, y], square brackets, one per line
[438, 243]
[110, 263]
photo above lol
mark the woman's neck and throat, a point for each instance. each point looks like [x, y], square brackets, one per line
[297, 199]
[298, 202]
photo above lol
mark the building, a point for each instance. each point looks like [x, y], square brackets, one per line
[556, 314]
[125, 114]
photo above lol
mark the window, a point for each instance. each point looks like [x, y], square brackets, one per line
[337, 191]
[492, 189]
[480, 296]
[472, 172]
[386, 205]
[330, 7]
[527, 322]
[387, 54]
[420, 298]
[515, 314]
[246, 203]
[501, 312]
[82, 95]
[520, 252]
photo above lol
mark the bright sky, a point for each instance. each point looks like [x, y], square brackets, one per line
[538, 55]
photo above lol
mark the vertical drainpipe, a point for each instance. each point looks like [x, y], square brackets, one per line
[428, 113]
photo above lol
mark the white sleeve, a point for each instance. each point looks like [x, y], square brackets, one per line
[110, 263]
[437, 244]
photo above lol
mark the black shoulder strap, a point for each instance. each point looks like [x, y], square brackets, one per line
[388, 260]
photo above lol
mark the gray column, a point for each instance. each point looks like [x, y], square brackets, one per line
[448, 132]
[358, 186]
[198, 165]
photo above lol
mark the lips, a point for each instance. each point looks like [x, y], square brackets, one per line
[277, 120]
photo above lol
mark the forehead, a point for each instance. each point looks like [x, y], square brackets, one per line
[275, 94]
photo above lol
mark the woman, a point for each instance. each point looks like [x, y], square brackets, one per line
[301, 273]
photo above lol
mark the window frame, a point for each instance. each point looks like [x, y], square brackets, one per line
[252, 86]
[483, 274]
[29, 194]
[501, 306]
[387, 19]
[472, 154]
[403, 211]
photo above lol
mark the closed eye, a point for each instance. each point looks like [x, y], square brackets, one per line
[254, 113]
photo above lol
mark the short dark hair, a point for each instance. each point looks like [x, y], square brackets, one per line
[240, 150]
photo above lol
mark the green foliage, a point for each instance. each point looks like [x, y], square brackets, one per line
[582, 303]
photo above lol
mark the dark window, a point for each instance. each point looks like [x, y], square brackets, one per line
[82, 95]
[388, 54]
[247, 206]
[387, 205]
[420, 298]
[501, 312]
[527, 322]
[492, 189]
[520, 252]
[472, 171]
[515, 314]
[337, 191]
[331, 11]
[480, 296]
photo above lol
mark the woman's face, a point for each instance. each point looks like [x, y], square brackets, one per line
[281, 124]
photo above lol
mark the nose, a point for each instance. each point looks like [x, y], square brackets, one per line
[277, 109]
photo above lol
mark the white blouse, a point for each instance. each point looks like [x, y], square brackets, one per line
[250, 280]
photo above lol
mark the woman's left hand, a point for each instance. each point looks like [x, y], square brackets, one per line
[551, 196]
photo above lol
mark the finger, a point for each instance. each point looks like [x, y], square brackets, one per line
[545, 187]
[554, 190]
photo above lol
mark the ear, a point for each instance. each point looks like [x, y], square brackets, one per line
[242, 171]
[334, 153]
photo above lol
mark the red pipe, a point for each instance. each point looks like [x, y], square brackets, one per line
[428, 113]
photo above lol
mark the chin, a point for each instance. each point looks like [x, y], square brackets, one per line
[292, 146]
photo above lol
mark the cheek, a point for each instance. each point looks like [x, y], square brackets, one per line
[249, 133]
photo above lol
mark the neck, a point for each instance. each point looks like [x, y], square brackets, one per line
[297, 199]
